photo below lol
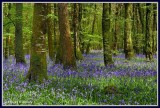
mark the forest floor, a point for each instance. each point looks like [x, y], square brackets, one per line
[131, 82]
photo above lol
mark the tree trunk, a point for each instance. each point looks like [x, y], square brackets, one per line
[77, 52]
[128, 48]
[138, 27]
[38, 63]
[116, 32]
[6, 53]
[19, 54]
[7, 44]
[80, 28]
[148, 39]
[154, 34]
[65, 38]
[50, 32]
[105, 34]
[58, 40]
[141, 12]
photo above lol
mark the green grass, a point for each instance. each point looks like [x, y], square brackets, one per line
[76, 91]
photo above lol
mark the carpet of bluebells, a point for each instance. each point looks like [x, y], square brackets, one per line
[135, 79]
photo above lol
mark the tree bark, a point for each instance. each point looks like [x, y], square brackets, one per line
[6, 53]
[116, 32]
[50, 33]
[7, 44]
[154, 34]
[128, 47]
[148, 38]
[58, 43]
[80, 28]
[38, 64]
[65, 38]
[105, 34]
[77, 52]
[142, 15]
[19, 53]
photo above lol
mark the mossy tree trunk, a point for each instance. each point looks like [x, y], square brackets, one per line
[19, 53]
[154, 34]
[7, 44]
[77, 52]
[138, 27]
[38, 65]
[116, 26]
[83, 14]
[7, 40]
[59, 56]
[50, 32]
[55, 27]
[142, 16]
[128, 47]
[148, 38]
[80, 28]
[65, 38]
[105, 34]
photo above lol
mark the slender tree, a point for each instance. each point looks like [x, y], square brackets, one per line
[19, 54]
[138, 31]
[56, 35]
[105, 34]
[59, 58]
[148, 38]
[142, 15]
[65, 38]
[154, 34]
[7, 40]
[80, 28]
[38, 64]
[50, 32]
[77, 52]
[116, 27]
[128, 48]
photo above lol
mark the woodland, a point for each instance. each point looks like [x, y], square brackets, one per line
[79, 53]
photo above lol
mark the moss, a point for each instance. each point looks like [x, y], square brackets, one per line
[110, 89]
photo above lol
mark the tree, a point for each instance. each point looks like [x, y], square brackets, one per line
[105, 34]
[77, 52]
[38, 64]
[7, 40]
[56, 35]
[148, 37]
[128, 48]
[59, 58]
[116, 27]
[64, 28]
[137, 31]
[80, 28]
[142, 15]
[19, 55]
[154, 34]
[50, 32]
